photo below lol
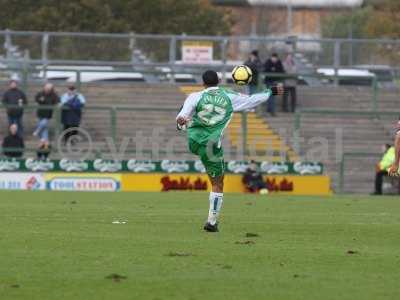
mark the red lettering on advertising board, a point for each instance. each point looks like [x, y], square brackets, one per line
[283, 186]
[183, 184]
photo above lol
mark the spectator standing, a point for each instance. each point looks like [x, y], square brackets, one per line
[13, 144]
[273, 65]
[253, 179]
[255, 65]
[15, 99]
[72, 104]
[383, 166]
[290, 85]
[45, 98]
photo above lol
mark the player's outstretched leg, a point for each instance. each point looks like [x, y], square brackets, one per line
[216, 199]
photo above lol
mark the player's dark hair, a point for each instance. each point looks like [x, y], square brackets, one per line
[255, 53]
[210, 78]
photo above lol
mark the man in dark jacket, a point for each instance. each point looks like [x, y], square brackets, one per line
[253, 179]
[72, 104]
[47, 97]
[13, 145]
[254, 63]
[273, 65]
[14, 99]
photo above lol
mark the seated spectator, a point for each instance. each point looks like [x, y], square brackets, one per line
[72, 104]
[14, 99]
[43, 150]
[253, 179]
[383, 166]
[46, 97]
[13, 145]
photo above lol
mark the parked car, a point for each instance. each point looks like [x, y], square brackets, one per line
[90, 74]
[384, 74]
[347, 76]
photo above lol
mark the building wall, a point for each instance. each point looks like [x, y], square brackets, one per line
[272, 22]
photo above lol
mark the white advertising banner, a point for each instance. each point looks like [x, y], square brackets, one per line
[22, 181]
[95, 182]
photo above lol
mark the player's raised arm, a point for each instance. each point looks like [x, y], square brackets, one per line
[187, 110]
[242, 102]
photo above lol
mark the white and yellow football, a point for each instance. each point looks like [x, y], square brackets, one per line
[242, 75]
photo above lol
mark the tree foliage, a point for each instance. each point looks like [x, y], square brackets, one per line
[346, 24]
[141, 16]
[377, 19]
[384, 20]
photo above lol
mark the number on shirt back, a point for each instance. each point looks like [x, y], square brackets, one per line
[212, 114]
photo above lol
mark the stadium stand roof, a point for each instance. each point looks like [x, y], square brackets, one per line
[294, 3]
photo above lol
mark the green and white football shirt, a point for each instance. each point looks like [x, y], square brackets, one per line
[211, 110]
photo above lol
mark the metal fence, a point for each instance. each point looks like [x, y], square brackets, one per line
[118, 132]
[111, 113]
[379, 118]
[352, 152]
[145, 49]
[347, 175]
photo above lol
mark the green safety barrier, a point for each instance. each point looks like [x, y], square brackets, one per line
[112, 112]
[346, 157]
[302, 112]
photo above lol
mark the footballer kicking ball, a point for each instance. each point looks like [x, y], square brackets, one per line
[242, 75]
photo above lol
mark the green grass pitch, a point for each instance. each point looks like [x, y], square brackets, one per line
[65, 246]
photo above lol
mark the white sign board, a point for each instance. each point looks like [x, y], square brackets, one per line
[197, 52]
